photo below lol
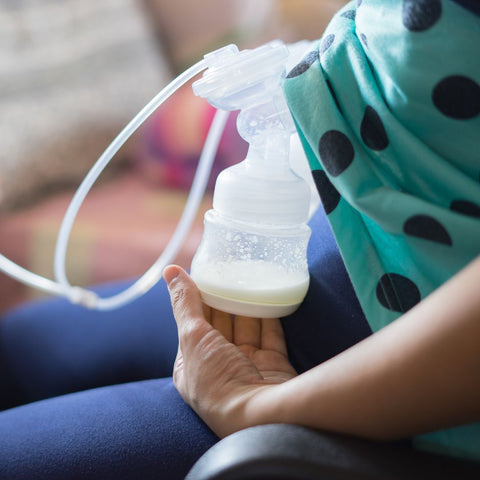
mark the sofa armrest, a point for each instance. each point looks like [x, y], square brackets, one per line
[281, 452]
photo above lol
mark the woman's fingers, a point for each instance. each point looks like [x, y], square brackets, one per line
[264, 333]
[223, 323]
[187, 305]
[272, 337]
[247, 331]
[193, 318]
[207, 312]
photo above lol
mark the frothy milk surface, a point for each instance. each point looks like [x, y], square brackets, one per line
[252, 281]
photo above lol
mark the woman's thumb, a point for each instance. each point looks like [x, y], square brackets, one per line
[184, 295]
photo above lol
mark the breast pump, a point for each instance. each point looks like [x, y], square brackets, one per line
[252, 257]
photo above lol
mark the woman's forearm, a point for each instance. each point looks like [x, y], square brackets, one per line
[419, 374]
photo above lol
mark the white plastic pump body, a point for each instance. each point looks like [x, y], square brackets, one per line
[259, 202]
[252, 259]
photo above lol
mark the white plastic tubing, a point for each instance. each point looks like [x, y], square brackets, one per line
[87, 297]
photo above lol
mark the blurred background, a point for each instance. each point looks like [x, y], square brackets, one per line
[72, 74]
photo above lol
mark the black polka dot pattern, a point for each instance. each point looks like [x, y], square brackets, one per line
[372, 130]
[457, 97]
[350, 14]
[420, 15]
[472, 5]
[336, 152]
[428, 228]
[426, 31]
[364, 40]
[326, 43]
[328, 193]
[397, 292]
[304, 65]
[466, 208]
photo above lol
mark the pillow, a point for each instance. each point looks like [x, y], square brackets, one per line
[72, 74]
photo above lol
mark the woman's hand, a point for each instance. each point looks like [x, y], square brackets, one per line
[223, 361]
[416, 375]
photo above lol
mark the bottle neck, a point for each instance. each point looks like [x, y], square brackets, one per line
[267, 127]
[269, 155]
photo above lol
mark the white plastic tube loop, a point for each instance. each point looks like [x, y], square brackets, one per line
[84, 296]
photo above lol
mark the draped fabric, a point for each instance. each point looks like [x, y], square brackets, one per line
[387, 105]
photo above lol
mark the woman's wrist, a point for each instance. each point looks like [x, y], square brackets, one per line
[247, 407]
[266, 406]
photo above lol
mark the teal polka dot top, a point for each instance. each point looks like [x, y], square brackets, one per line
[387, 106]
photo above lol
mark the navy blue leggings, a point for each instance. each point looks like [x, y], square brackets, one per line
[88, 395]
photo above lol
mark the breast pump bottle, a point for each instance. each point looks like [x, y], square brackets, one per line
[252, 257]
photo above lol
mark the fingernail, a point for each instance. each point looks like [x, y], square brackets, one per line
[170, 273]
